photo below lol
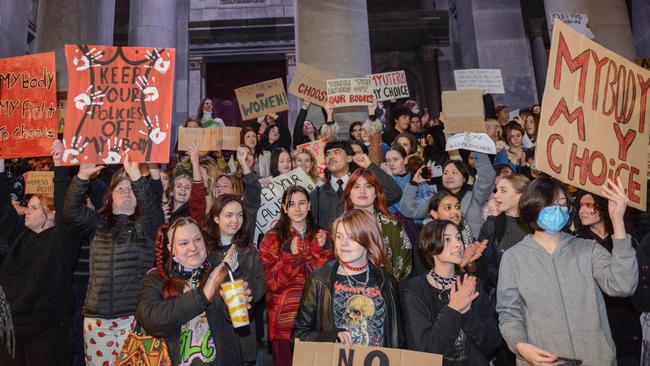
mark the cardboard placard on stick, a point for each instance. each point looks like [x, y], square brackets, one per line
[119, 103]
[328, 354]
[350, 92]
[389, 85]
[463, 111]
[209, 139]
[261, 99]
[37, 182]
[310, 83]
[594, 121]
[27, 105]
[479, 142]
[486, 80]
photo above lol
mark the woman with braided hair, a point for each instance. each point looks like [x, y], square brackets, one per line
[178, 300]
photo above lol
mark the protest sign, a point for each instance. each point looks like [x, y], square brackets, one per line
[594, 120]
[576, 21]
[269, 211]
[389, 85]
[27, 105]
[350, 92]
[39, 183]
[209, 139]
[310, 83]
[486, 80]
[479, 142]
[317, 148]
[119, 103]
[328, 354]
[463, 111]
[513, 114]
[643, 62]
[261, 99]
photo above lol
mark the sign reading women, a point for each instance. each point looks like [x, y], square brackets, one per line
[594, 122]
[27, 105]
[119, 104]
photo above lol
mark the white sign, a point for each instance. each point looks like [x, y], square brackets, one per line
[479, 142]
[576, 21]
[242, 3]
[350, 92]
[269, 211]
[486, 80]
[389, 85]
[513, 114]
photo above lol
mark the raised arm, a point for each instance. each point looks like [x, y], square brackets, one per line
[12, 223]
[484, 185]
[197, 204]
[151, 215]
[75, 211]
[409, 205]
[298, 136]
[392, 190]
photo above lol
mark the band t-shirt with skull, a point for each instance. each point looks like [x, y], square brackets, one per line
[360, 309]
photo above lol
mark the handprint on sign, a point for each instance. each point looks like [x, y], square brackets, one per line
[150, 93]
[156, 134]
[87, 60]
[75, 149]
[160, 64]
[114, 156]
[86, 99]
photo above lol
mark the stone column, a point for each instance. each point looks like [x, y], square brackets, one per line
[92, 23]
[182, 107]
[294, 102]
[333, 36]
[195, 85]
[432, 95]
[608, 20]
[641, 27]
[13, 28]
[540, 63]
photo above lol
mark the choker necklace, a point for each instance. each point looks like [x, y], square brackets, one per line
[353, 268]
[444, 283]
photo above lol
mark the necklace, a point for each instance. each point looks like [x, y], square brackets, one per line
[444, 283]
[353, 282]
[353, 268]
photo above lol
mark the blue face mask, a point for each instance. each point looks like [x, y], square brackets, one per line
[553, 218]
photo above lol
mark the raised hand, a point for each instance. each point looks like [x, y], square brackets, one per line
[88, 170]
[463, 293]
[372, 108]
[321, 237]
[57, 152]
[329, 110]
[616, 206]
[214, 281]
[132, 169]
[362, 160]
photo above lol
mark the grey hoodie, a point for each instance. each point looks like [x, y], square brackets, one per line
[554, 301]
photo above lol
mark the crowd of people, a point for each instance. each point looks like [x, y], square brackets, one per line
[402, 244]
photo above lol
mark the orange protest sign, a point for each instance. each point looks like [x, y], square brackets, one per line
[119, 103]
[317, 148]
[27, 105]
[594, 122]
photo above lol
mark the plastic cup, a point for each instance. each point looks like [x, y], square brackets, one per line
[236, 301]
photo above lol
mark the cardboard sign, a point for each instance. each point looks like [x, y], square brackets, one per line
[332, 354]
[486, 80]
[310, 83]
[389, 85]
[594, 121]
[27, 105]
[576, 21]
[119, 103]
[269, 211]
[39, 183]
[350, 92]
[479, 142]
[261, 99]
[209, 139]
[317, 148]
[643, 62]
[463, 111]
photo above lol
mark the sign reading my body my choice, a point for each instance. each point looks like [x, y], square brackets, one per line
[27, 105]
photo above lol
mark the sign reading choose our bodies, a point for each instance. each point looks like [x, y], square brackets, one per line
[350, 92]
[594, 122]
[119, 103]
[310, 83]
[261, 99]
[27, 105]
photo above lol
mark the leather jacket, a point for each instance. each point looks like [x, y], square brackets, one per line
[315, 319]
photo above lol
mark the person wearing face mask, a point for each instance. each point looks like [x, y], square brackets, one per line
[207, 115]
[179, 300]
[352, 299]
[290, 251]
[121, 252]
[446, 312]
[549, 294]
[227, 237]
[187, 193]
[36, 276]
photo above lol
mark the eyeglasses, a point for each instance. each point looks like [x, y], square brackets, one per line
[123, 190]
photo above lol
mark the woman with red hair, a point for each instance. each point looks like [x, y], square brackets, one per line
[179, 300]
[364, 192]
[352, 299]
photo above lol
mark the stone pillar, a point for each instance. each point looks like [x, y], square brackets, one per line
[92, 23]
[196, 90]
[540, 63]
[333, 36]
[608, 21]
[13, 28]
[641, 27]
[294, 102]
[182, 107]
[432, 96]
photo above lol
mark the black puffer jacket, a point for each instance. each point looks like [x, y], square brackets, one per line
[315, 319]
[120, 255]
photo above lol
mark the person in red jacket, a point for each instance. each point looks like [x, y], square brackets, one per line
[290, 251]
